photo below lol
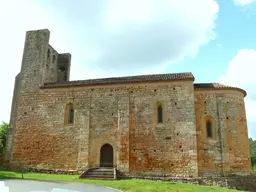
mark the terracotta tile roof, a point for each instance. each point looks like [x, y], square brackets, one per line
[216, 86]
[210, 85]
[126, 79]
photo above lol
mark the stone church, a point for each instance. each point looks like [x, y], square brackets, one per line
[163, 124]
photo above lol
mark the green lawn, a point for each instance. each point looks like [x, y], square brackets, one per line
[132, 185]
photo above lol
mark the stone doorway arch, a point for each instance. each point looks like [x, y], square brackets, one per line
[106, 156]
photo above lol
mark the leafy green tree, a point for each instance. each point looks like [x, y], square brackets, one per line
[253, 151]
[3, 135]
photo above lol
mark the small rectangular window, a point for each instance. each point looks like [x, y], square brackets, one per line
[71, 116]
[209, 128]
[159, 114]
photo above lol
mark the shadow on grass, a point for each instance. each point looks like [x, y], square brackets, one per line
[7, 174]
[4, 177]
[8, 170]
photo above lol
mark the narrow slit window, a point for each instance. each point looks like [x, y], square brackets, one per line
[159, 114]
[209, 128]
[48, 53]
[53, 58]
[71, 116]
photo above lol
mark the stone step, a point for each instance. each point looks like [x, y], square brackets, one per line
[97, 176]
[99, 173]
[102, 170]
[105, 168]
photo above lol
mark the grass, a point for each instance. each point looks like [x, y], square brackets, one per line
[132, 185]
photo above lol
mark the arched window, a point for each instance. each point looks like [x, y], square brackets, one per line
[159, 113]
[69, 114]
[209, 128]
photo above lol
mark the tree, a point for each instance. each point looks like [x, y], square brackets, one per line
[253, 151]
[3, 136]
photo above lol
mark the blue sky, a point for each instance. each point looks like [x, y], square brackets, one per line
[235, 30]
[213, 39]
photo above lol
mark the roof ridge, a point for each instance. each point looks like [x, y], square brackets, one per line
[134, 78]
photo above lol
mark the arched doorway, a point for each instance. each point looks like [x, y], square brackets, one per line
[106, 156]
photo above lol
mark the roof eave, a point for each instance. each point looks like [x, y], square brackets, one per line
[224, 88]
[69, 84]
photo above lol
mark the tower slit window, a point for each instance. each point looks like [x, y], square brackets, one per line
[71, 116]
[159, 114]
[48, 53]
[53, 58]
[209, 128]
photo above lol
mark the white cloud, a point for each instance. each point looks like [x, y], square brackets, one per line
[132, 37]
[106, 37]
[148, 34]
[241, 73]
[243, 2]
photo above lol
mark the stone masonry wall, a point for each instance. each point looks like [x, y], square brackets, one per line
[27, 117]
[50, 72]
[29, 79]
[123, 116]
[228, 150]
[41, 139]
[11, 131]
[57, 66]
[167, 148]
